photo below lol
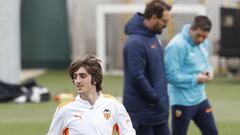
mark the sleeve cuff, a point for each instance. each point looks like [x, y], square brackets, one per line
[194, 80]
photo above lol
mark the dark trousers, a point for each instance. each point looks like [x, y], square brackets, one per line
[201, 114]
[161, 129]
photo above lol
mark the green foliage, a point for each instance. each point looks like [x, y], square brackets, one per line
[34, 119]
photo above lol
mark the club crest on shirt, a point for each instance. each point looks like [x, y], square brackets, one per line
[178, 113]
[107, 114]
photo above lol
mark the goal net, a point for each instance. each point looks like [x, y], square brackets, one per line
[110, 22]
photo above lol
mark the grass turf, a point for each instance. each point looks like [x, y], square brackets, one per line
[34, 119]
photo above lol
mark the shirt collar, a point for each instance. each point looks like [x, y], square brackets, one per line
[100, 97]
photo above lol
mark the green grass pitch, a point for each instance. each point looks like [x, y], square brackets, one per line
[34, 119]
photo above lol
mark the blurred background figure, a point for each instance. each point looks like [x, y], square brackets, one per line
[187, 72]
[145, 87]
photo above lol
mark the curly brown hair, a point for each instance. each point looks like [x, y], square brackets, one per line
[92, 66]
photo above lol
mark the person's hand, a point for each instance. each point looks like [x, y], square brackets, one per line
[209, 74]
[202, 78]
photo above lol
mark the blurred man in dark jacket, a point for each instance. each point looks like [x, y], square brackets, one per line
[145, 88]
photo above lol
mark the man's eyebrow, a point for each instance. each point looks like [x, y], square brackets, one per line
[80, 74]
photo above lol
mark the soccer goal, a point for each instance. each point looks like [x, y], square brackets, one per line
[110, 36]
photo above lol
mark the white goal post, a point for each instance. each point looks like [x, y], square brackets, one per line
[104, 9]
